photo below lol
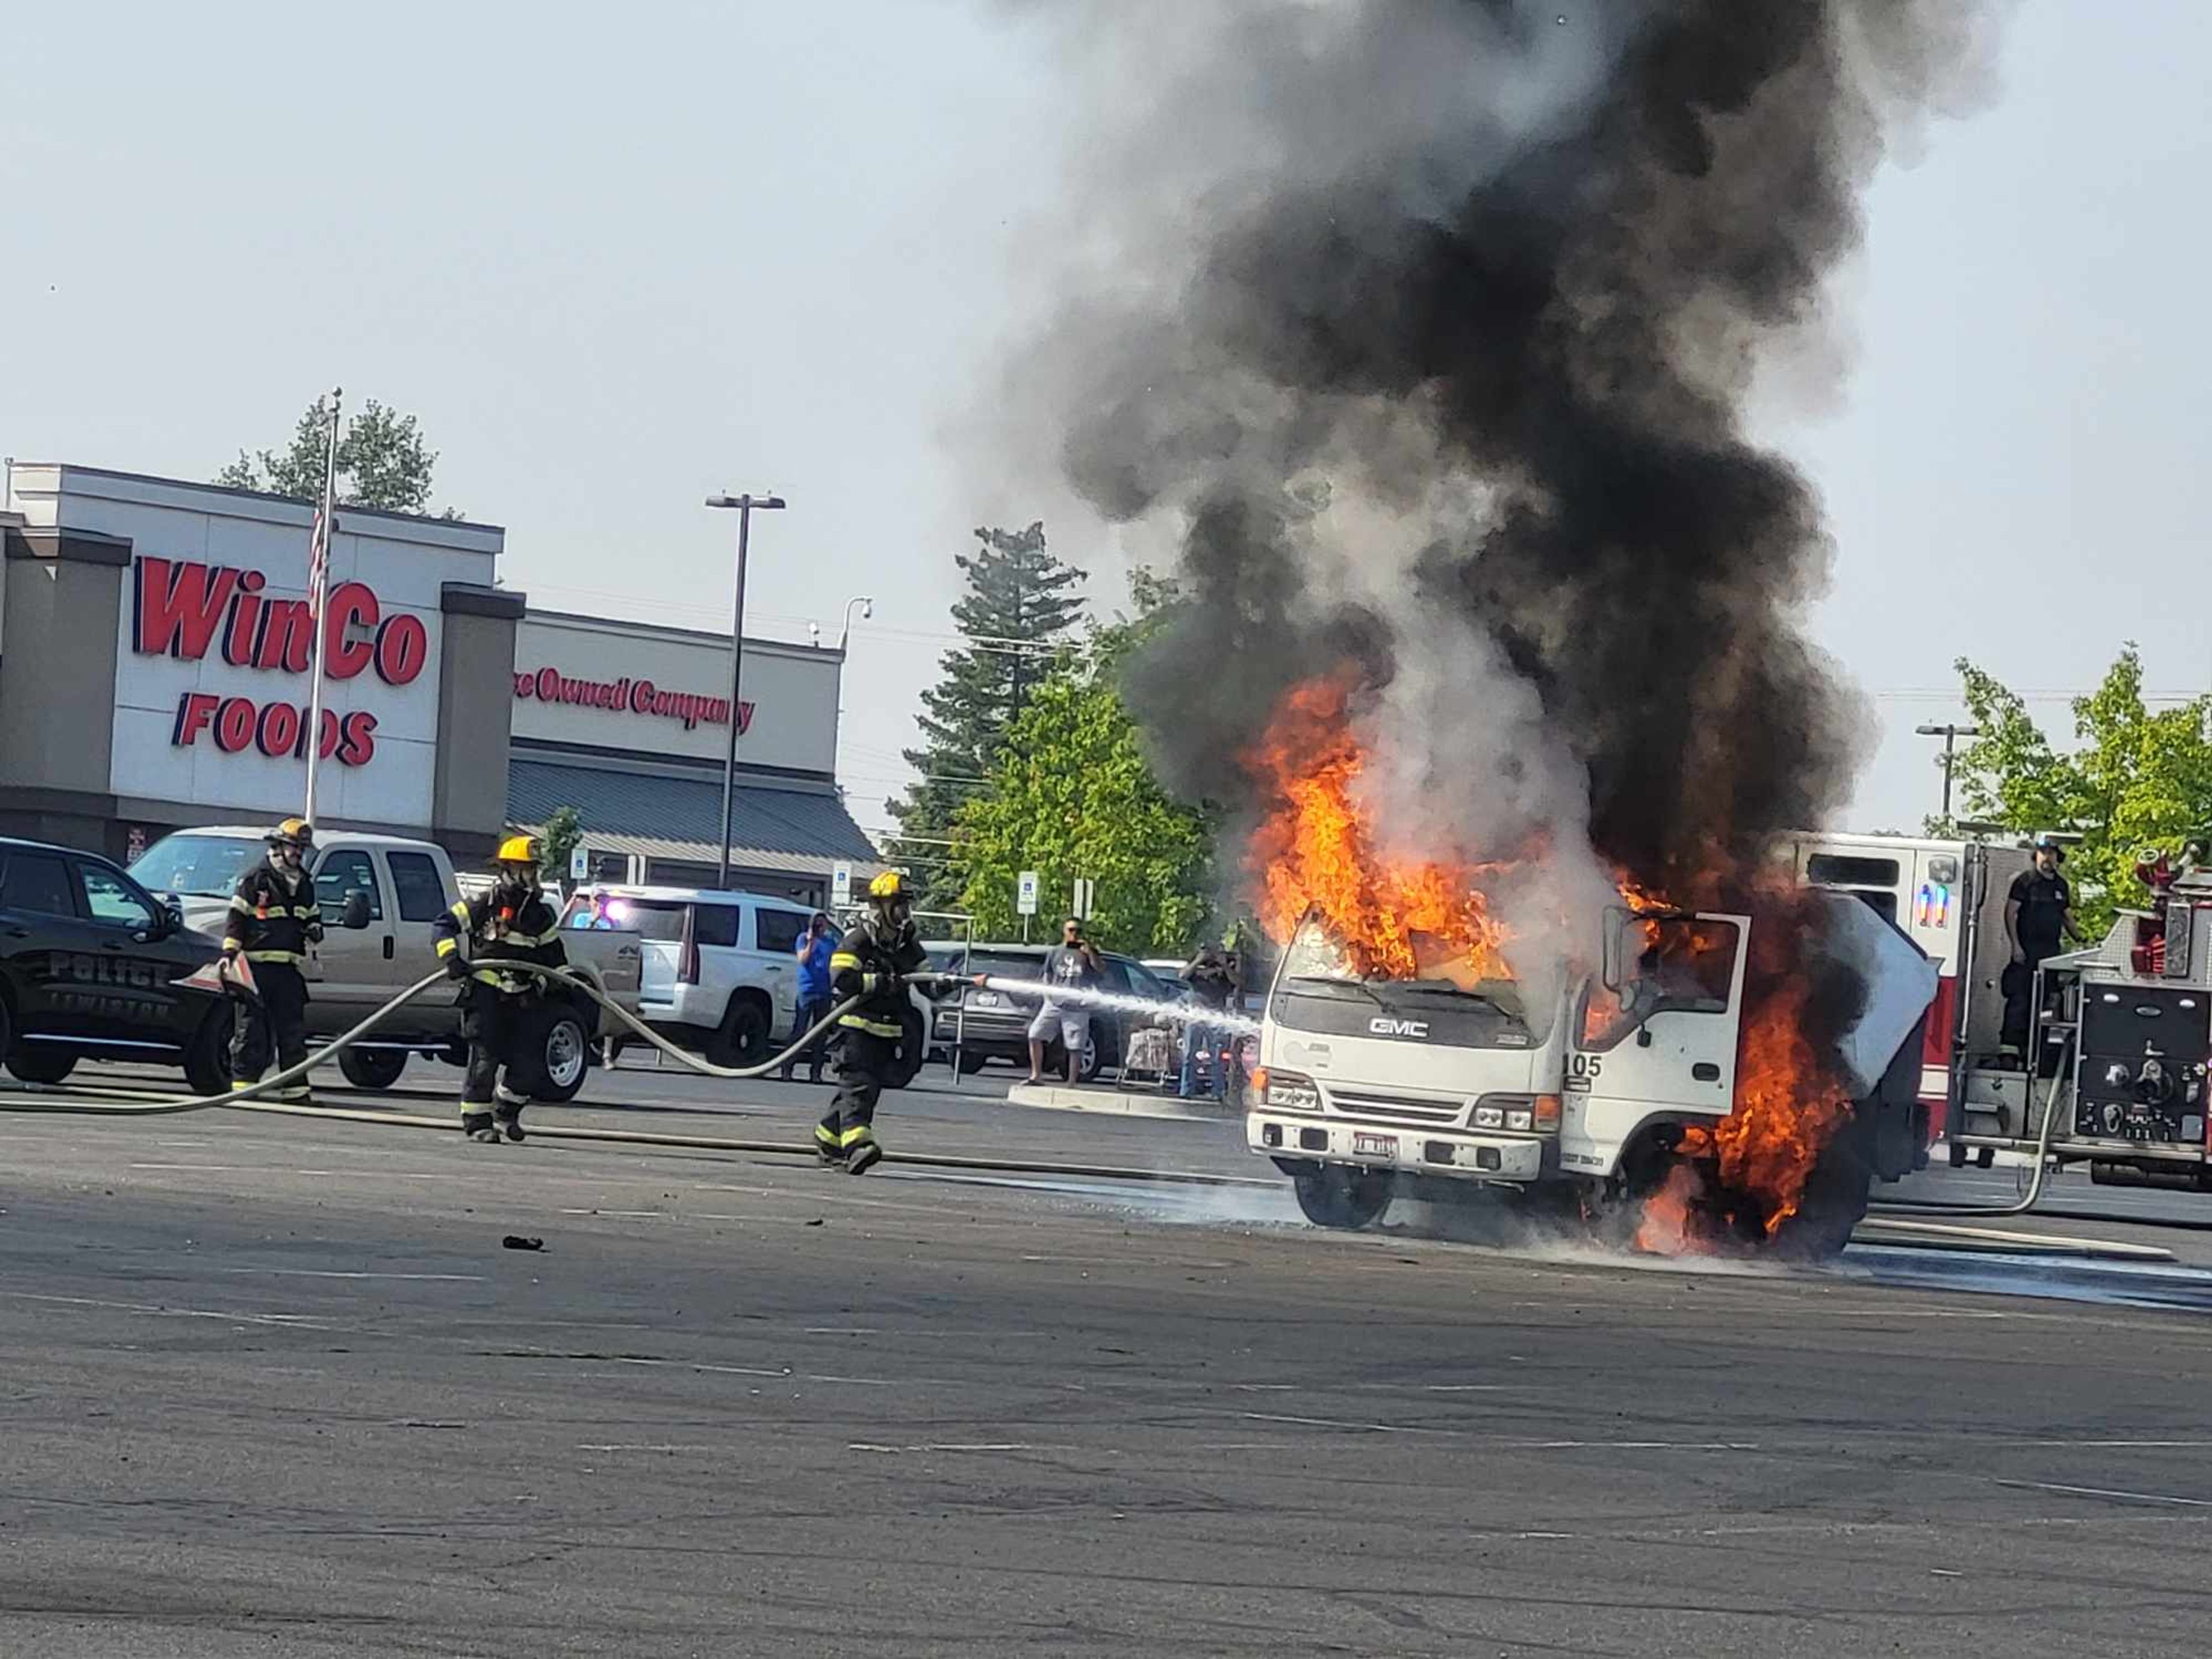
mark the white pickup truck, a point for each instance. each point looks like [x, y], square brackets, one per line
[382, 896]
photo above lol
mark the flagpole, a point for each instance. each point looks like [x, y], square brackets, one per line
[319, 589]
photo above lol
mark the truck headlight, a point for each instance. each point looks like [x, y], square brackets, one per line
[1523, 1122]
[1287, 1090]
[1489, 1117]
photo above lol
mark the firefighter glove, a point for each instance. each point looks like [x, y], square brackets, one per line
[456, 966]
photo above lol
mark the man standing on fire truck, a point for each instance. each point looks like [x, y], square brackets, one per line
[273, 917]
[512, 923]
[2039, 910]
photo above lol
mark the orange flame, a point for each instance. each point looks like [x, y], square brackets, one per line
[1317, 851]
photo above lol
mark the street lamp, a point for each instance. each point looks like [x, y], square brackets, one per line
[867, 611]
[744, 504]
[1950, 734]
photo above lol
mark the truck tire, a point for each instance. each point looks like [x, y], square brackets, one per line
[549, 1063]
[207, 1062]
[742, 1037]
[373, 1068]
[1334, 1196]
[971, 1062]
[913, 1050]
[46, 1063]
[1835, 1201]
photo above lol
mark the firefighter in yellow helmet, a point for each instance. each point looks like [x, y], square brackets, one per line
[873, 961]
[273, 919]
[512, 923]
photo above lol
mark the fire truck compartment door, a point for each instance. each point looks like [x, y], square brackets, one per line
[1624, 1064]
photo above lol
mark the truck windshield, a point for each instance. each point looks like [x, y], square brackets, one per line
[196, 866]
[1316, 969]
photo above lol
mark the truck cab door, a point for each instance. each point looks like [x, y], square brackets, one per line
[356, 962]
[1656, 1033]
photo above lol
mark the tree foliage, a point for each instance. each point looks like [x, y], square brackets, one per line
[1072, 794]
[1019, 605]
[564, 828]
[2137, 778]
[383, 461]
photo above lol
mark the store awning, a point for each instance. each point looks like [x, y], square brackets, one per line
[795, 830]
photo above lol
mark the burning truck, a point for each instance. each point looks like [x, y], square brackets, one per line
[1693, 1078]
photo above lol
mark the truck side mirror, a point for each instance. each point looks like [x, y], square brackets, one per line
[1609, 955]
[354, 916]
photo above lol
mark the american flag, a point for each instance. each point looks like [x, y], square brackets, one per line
[319, 564]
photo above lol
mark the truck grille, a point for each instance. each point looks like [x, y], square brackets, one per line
[1392, 1109]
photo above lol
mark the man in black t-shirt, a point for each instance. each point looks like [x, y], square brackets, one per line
[2038, 911]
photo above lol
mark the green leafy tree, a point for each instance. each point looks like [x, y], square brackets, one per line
[564, 828]
[383, 461]
[1072, 794]
[2138, 778]
[1019, 606]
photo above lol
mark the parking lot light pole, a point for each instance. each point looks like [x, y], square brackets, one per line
[744, 504]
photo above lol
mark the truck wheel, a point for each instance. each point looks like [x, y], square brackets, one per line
[44, 1063]
[971, 1062]
[1835, 1201]
[207, 1062]
[550, 1066]
[742, 1037]
[1334, 1196]
[913, 1049]
[373, 1068]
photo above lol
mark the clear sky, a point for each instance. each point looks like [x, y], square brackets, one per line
[618, 259]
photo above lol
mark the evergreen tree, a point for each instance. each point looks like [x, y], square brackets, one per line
[1018, 608]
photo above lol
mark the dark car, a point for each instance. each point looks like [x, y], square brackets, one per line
[989, 1026]
[89, 963]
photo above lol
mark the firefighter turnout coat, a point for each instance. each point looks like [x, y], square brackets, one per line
[504, 926]
[272, 922]
[866, 965]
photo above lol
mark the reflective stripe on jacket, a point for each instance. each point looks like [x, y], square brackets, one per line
[270, 922]
[867, 967]
[503, 926]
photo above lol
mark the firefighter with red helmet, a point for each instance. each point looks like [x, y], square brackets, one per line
[875, 962]
[273, 917]
[512, 923]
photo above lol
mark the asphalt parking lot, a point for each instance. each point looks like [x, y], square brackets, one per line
[275, 1385]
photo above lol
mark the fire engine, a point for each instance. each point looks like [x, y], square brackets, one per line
[2119, 1033]
[1947, 898]
[2114, 1071]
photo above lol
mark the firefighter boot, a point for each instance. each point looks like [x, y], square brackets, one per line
[477, 1126]
[863, 1155]
[828, 1154]
[507, 1111]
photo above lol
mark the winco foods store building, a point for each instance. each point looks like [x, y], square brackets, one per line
[153, 656]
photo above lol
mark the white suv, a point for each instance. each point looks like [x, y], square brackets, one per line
[720, 969]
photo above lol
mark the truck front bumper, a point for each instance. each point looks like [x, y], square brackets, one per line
[1470, 1154]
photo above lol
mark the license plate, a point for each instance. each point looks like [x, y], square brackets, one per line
[1366, 1145]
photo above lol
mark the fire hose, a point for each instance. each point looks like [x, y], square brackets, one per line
[2021, 1206]
[80, 1103]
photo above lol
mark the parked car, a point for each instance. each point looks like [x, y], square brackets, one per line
[380, 895]
[720, 973]
[89, 966]
[986, 1025]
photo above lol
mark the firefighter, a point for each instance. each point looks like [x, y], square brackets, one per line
[273, 917]
[873, 961]
[512, 923]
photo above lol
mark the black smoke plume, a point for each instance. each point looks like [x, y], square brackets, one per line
[1428, 326]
